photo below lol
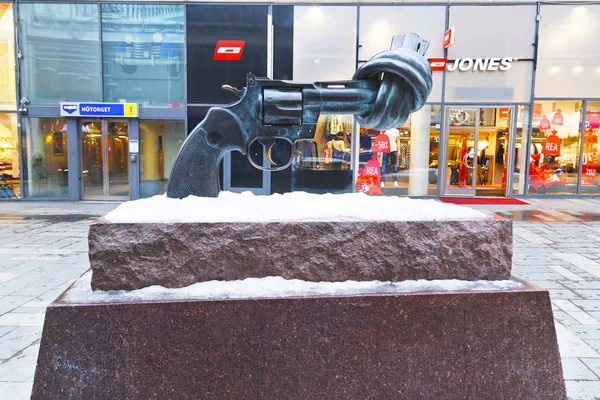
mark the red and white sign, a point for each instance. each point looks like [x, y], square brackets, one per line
[438, 64]
[544, 123]
[592, 120]
[589, 174]
[471, 64]
[368, 180]
[381, 144]
[229, 50]
[551, 146]
[557, 119]
[505, 113]
[449, 37]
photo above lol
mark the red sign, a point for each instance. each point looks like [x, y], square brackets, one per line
[544, 123]
[557, 119]
[382, 144]
[471, 64]
[438, 64]
[551, 146]
[505, 113]
[589, 174]
[368, 180]
[229, 50]
[592, 120]
[449, 38]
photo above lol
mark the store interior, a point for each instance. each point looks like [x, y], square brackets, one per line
[556, 146]
[324, 164]
[9, 157]
[483, 164]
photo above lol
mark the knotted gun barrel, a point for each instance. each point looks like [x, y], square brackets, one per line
[381, 95]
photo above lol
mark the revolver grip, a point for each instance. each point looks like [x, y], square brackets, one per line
[196, 168]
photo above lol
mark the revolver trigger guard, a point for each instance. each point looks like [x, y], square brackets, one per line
[271, 169]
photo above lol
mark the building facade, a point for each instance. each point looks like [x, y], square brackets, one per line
[514, 110]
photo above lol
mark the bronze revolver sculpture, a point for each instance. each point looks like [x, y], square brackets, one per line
[381, 95]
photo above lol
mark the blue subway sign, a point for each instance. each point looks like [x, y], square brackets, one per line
[128, 110]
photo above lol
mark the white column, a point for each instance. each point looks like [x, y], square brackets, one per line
[523, 152]
[418, 180]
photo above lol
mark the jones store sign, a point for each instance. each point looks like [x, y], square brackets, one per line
[128, 110]
[471, 64]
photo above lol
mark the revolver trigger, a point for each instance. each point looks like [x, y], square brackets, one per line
[233, 90]
[268, 146]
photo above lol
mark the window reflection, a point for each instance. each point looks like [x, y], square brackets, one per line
[142, 48]
[45, 170]
[160, 144]
[61, 52]
[324, 164]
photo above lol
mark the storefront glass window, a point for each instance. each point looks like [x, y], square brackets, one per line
[7, 58]
[9, 157]
[142, 50]
[410, 167]
[555, 147]
[480, 37]
[44, 147]
[324, 163]
[520, 168]
[379, 24]
[61, 53]
[568, 61]
[160, 144]
[324, 60]
[590, 171]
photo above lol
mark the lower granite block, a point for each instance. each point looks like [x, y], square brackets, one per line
[444, 345]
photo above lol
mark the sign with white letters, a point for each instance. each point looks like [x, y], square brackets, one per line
[127, 110]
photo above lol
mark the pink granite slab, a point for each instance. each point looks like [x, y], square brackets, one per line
[444, 345]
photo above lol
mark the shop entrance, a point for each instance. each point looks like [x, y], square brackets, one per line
[105, 159]
[476, 153]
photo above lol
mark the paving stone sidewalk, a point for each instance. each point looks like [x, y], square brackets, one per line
[43, 249]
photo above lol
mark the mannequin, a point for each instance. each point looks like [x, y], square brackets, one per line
[392, 134]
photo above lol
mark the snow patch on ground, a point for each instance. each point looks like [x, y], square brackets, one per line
[295, 206]
[275, 287]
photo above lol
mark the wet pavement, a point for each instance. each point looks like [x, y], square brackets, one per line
[43, 249]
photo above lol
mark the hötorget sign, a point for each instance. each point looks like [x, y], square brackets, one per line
[471, 64]
[68, 109]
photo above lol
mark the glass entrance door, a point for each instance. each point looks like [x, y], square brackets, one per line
[477, 151]
[461, 151]
[105, 159]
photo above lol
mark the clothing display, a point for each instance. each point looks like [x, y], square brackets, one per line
[338, 123]
[500, 154]
[404, 156]
[385, 157]
[393, 134]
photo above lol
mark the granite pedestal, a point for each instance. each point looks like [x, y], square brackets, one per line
[128, 256]
[421, 345]
[443, 319]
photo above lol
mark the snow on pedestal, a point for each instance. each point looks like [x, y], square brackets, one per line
[288, 207]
